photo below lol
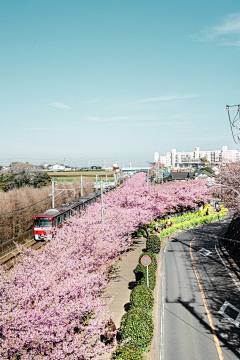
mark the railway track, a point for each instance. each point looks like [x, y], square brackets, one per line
[10, 259]
[9, 252]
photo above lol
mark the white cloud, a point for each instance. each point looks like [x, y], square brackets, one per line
[59, 105]
[234, 43]
[165, 98]
[230, 25]
[228, 28]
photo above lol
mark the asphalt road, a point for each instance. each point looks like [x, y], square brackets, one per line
[196, 286]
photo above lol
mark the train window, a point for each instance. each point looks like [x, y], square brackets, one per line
[44, 222]
[55, 222]
[59, 219]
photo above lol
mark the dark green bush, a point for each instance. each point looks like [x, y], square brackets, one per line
[137, 324]
[141, 232]
[153, 244]
[127, 353]
[152, 257]
[141, 297]
[140, 272]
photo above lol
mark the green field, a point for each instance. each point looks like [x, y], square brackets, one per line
[74, 174]
[70, 179]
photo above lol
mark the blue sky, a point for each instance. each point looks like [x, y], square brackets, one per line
[101, 79]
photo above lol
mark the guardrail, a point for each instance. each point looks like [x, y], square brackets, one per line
[9, 245]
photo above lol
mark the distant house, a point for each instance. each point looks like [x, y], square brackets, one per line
[57, 167]
[204, 175]
[67, 168]
[178, 176]
[183, 175]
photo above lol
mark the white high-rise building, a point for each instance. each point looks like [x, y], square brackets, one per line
[196, 152]
[174, 158]
[156, 156]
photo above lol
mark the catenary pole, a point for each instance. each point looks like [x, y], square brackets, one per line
[102, 209]
[53, 204]
[81, 186]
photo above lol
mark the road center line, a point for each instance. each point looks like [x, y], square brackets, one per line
[217, 344]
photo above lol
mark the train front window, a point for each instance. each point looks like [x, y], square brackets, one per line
[43, 222]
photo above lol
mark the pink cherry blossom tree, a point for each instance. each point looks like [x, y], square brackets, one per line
[52, 303]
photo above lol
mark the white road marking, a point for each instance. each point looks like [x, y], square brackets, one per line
[204, 252]
[235, 321]
[235, 282]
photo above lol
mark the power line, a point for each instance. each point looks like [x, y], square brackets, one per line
[24, 197]
[21, 209]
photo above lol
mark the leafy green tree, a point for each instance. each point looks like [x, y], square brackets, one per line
[208, 169]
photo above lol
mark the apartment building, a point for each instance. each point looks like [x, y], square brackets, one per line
[175, 158]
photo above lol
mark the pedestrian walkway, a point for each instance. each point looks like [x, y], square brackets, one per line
[122, 282]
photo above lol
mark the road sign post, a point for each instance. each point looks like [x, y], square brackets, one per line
[145, 261]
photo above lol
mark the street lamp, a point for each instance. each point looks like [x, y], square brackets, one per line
[229, 187]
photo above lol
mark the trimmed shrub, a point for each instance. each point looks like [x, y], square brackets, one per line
[127, 353]
[141, 297]
[140, 272]
[137, 324]
[153, 244]
[141, 232]
[153, 258]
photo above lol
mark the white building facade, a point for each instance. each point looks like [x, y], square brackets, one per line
[174, 159]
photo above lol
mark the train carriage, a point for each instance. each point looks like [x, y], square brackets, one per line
[43, 224]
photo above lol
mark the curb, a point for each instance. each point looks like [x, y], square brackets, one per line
[154, 352]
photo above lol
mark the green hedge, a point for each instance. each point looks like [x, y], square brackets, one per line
[127, 353]
[140, 272]
[137, 324]
[141, 297]
[141, 232]
[153, 244]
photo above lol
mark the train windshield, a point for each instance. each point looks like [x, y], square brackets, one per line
[43, 222]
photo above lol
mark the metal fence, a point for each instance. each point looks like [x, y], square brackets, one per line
[9, 246]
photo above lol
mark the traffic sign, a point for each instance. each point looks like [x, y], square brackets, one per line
[146, 260]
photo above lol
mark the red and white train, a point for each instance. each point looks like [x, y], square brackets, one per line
[44, 223]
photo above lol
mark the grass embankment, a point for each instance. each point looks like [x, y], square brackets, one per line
[192, 220]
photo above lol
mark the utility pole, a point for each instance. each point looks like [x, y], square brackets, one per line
[102, 209]
[81, 186]
[53, 194]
